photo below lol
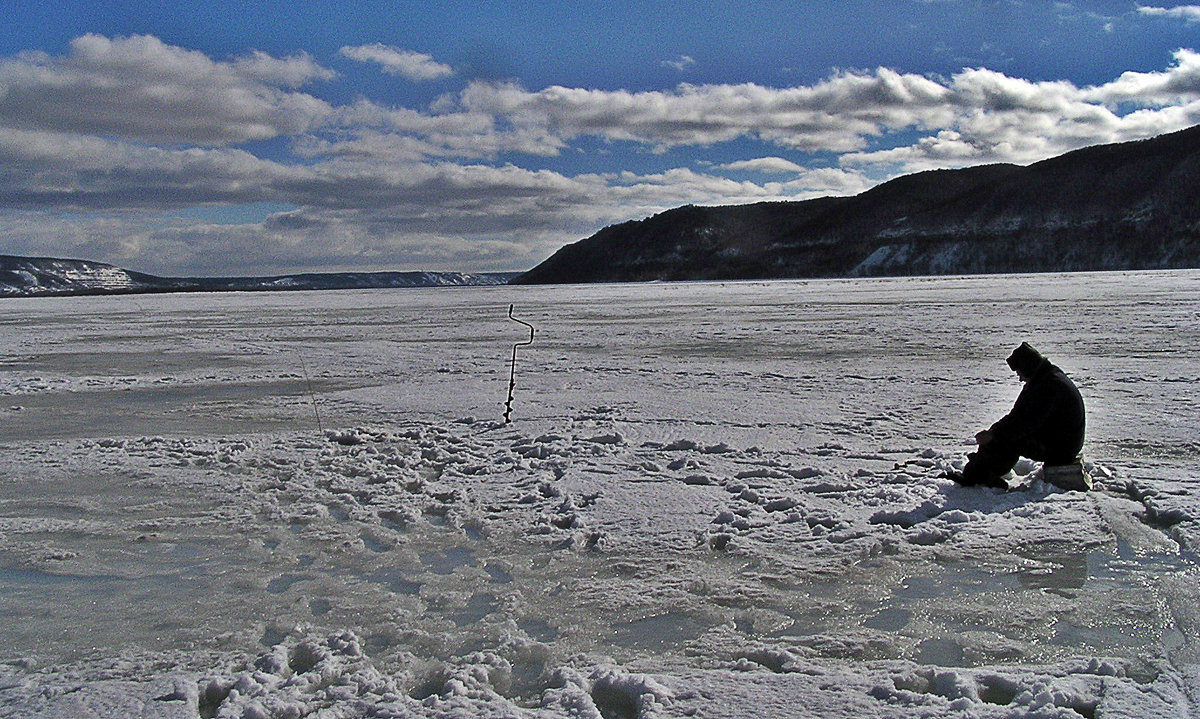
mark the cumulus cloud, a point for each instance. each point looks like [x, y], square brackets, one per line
[831, 115]
[1190, 13]
[394, 61]
[1175, 85]
[292, 71]
[769, 165]
[997, 118]
[141, 88]
[977, 115]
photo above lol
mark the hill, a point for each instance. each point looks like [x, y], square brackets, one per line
[42, 276]
[1126, 206]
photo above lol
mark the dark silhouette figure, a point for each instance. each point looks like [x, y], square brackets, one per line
[1046, 424]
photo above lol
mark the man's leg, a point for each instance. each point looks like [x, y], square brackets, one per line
[989, 463]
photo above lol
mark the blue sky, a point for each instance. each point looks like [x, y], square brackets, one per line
[263, 138]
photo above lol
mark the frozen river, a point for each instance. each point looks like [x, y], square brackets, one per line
[714, 499]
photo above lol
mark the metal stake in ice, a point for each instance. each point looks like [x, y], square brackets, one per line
[512, 374]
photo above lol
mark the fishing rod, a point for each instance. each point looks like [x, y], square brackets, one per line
[512, 374]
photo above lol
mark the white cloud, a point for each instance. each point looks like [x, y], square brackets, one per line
[1176, 84]
[141, 88]
[680, 63]
[293, 71]
[831, 115]
[997, 118]
[1190, 13]
[394, 61]
[768, 165]
[977, 115]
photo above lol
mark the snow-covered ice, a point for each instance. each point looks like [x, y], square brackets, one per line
[714, 500]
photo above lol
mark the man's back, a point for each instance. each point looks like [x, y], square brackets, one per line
[1048, 414]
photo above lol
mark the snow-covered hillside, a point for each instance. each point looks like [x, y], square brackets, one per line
[714, 500]
[39, 276]
[31, 276]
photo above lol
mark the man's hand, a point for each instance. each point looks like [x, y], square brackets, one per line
[983, 437]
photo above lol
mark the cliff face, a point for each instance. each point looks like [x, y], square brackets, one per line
[45, 276]
[1132, 205]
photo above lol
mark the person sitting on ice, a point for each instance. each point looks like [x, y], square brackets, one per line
[1046, 424]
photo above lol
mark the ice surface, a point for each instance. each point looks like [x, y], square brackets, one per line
[715, 499]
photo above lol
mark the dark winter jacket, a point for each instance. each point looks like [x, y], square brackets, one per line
[1047, 419]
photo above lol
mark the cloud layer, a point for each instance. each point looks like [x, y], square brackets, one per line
[138, 152]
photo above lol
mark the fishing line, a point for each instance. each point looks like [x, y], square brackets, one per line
[311, 395]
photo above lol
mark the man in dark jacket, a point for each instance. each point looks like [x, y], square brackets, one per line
[1046, 424]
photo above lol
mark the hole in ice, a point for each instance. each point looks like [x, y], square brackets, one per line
[892, 619]
[473, 534]
[395, 581]
[320, 607]
[614, 703]
[940, 652]
[998, 690]
[374, 545]
[526, 681]
[477, 607]
[445, 562]
[377, 644]
[538, 630]
[302, 659]
[281, 584]
[392, 520]
[211, 698]
[498, 574]
[659, 632]
[272, 636]
[431, 684]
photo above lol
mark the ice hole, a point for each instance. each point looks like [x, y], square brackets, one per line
[392, 520]
[477, 607]
[527, 683]
[281, 584]
[497, 574]
[998, 690]
[892, 619]
[375, 545]
[940, 652]
[538, 630]
[272, 636]
[395, 581]
[614, 703]
[446, 561]
[658, 632]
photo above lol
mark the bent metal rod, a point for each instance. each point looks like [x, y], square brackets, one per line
[512, 374]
